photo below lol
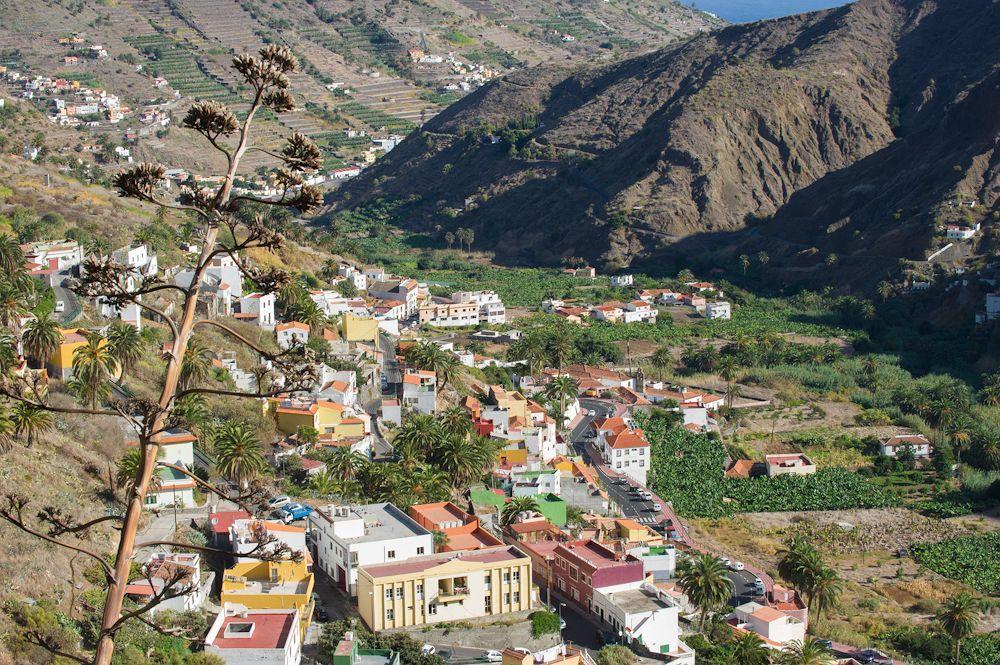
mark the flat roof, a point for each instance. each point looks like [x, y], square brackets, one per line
[270, 631]
[437, 513]
[383, 521]
[636, 601]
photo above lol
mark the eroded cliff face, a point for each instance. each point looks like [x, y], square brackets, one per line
[809, 131]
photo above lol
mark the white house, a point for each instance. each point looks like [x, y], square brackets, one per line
[491, 308]
[420, 391]
[796, 464]
[257, 308]
[262, 637]
[291, 333]
[139, 258]
[353, 275]
[54, 254]
[182, 571]
[175, 487]
[719, 309]
[773, 626]
[643, 617]
[225, 271]
[624, 449]
[551, 305]
[918, 443]
[956, 232]
[639, 310]
[622, 280]
[346, 537]
[534, 483]
[660, 561]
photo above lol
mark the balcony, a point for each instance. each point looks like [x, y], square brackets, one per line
[452, 589]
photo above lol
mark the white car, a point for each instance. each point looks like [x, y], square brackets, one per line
[493, 657]
[428, 649]
[737, 565]
[656, 507]
[278, 502]
[646, 496]
[60, 307]
[724, 560]
[591, 413]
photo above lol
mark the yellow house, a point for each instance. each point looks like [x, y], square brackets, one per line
[513, 454]
[323, 415]
[512, 401]
[271, 585]
[60, 363]
[451, 586]
[359, 329]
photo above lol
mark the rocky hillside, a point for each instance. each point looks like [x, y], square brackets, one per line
[837, 137]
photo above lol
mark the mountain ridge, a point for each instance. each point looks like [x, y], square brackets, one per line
[651, 157]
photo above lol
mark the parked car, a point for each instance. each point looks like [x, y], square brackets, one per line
[736, 565]
[493, 657]
[725, 560]
[656, 507]
[322, 614]
[278, 501]
[562, 624]
[428, 649]
[647, 496]
[60, 307]
[621, 481]
[295, 511]
[591, 413]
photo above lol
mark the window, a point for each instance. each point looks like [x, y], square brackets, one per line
[506, 577]
[388, 593]
[399, 592]
[517, 575]
[432, 608]
[151, 499]
[390, 614]
[274, 576]
[489, 583]
[562, 584]
[391, 554]
[420, 590]
[575, 593]
[517, 597]
[618, 453]
[506, 598]
[487, 602]
[618, 465]
[420, 550]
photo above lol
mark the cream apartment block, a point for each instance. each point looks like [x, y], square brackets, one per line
[451, 586]
[449, 315]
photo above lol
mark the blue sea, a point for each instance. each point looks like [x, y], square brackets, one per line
[744, 11]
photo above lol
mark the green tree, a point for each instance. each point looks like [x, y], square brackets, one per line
[826, 588]
[417, 437]
[93, 368]
[706, 582]
[11, 256]
[807, 652]
[616, 655]
[959, 616]
[126, 468]
[345, 464]
[30, 421]
[197, 364]
[661, 359]
[515, 506]
[238, 452]
[562, 388]
[6, 431]
[745, 262]
[125, 344]
[747, 648]
[41, 338]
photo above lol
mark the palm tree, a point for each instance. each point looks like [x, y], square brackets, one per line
[661, 359]
[6, 431]
[197, 364]
[345, 463]
[990, 392]
[238, 452]
[745, 262]
[454, 421]
[12, 306]
[562, 387]
[41, 338]
[885, 290]
[705, 580]
[561, 348]
[30, 421]
[191, 412]
[959, 616]
[517, 505]
[427, 484]
[125, 472]
[324, 483]
[870, 367]
[417, 437]
[810, 651]
[440, 540]
[748, 649]
[825, 588]
[125, 344]
[11, 256]
[93, 368]
[457, 459]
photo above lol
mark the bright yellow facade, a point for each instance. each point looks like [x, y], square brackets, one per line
[62, 359]
[515, 453]
[514, 402]
[271, 585]
[326, 417]
[359, 329]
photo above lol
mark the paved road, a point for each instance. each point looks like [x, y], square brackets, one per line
[69, 299]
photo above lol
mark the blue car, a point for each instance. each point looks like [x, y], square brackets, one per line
[295, 511]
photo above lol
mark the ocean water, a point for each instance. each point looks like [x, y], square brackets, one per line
[744, 11]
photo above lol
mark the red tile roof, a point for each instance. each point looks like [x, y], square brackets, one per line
[221, 521]
[270, 631]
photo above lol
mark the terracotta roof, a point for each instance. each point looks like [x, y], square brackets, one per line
[270, 631]
[769, 614]
[297, 325]
[628, 439]
[220, 522]
[740, 468]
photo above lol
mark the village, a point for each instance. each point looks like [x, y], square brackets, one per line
[566, 520]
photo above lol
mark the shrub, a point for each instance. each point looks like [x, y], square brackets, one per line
[544, 623]
[615, 655]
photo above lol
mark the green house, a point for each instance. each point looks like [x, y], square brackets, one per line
[348, 653]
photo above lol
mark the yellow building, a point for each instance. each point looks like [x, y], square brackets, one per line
[60, 364]
[515, 453]
[326, 417]
[271, 585]
[451, 586]
[359, 329]
[512, 401]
